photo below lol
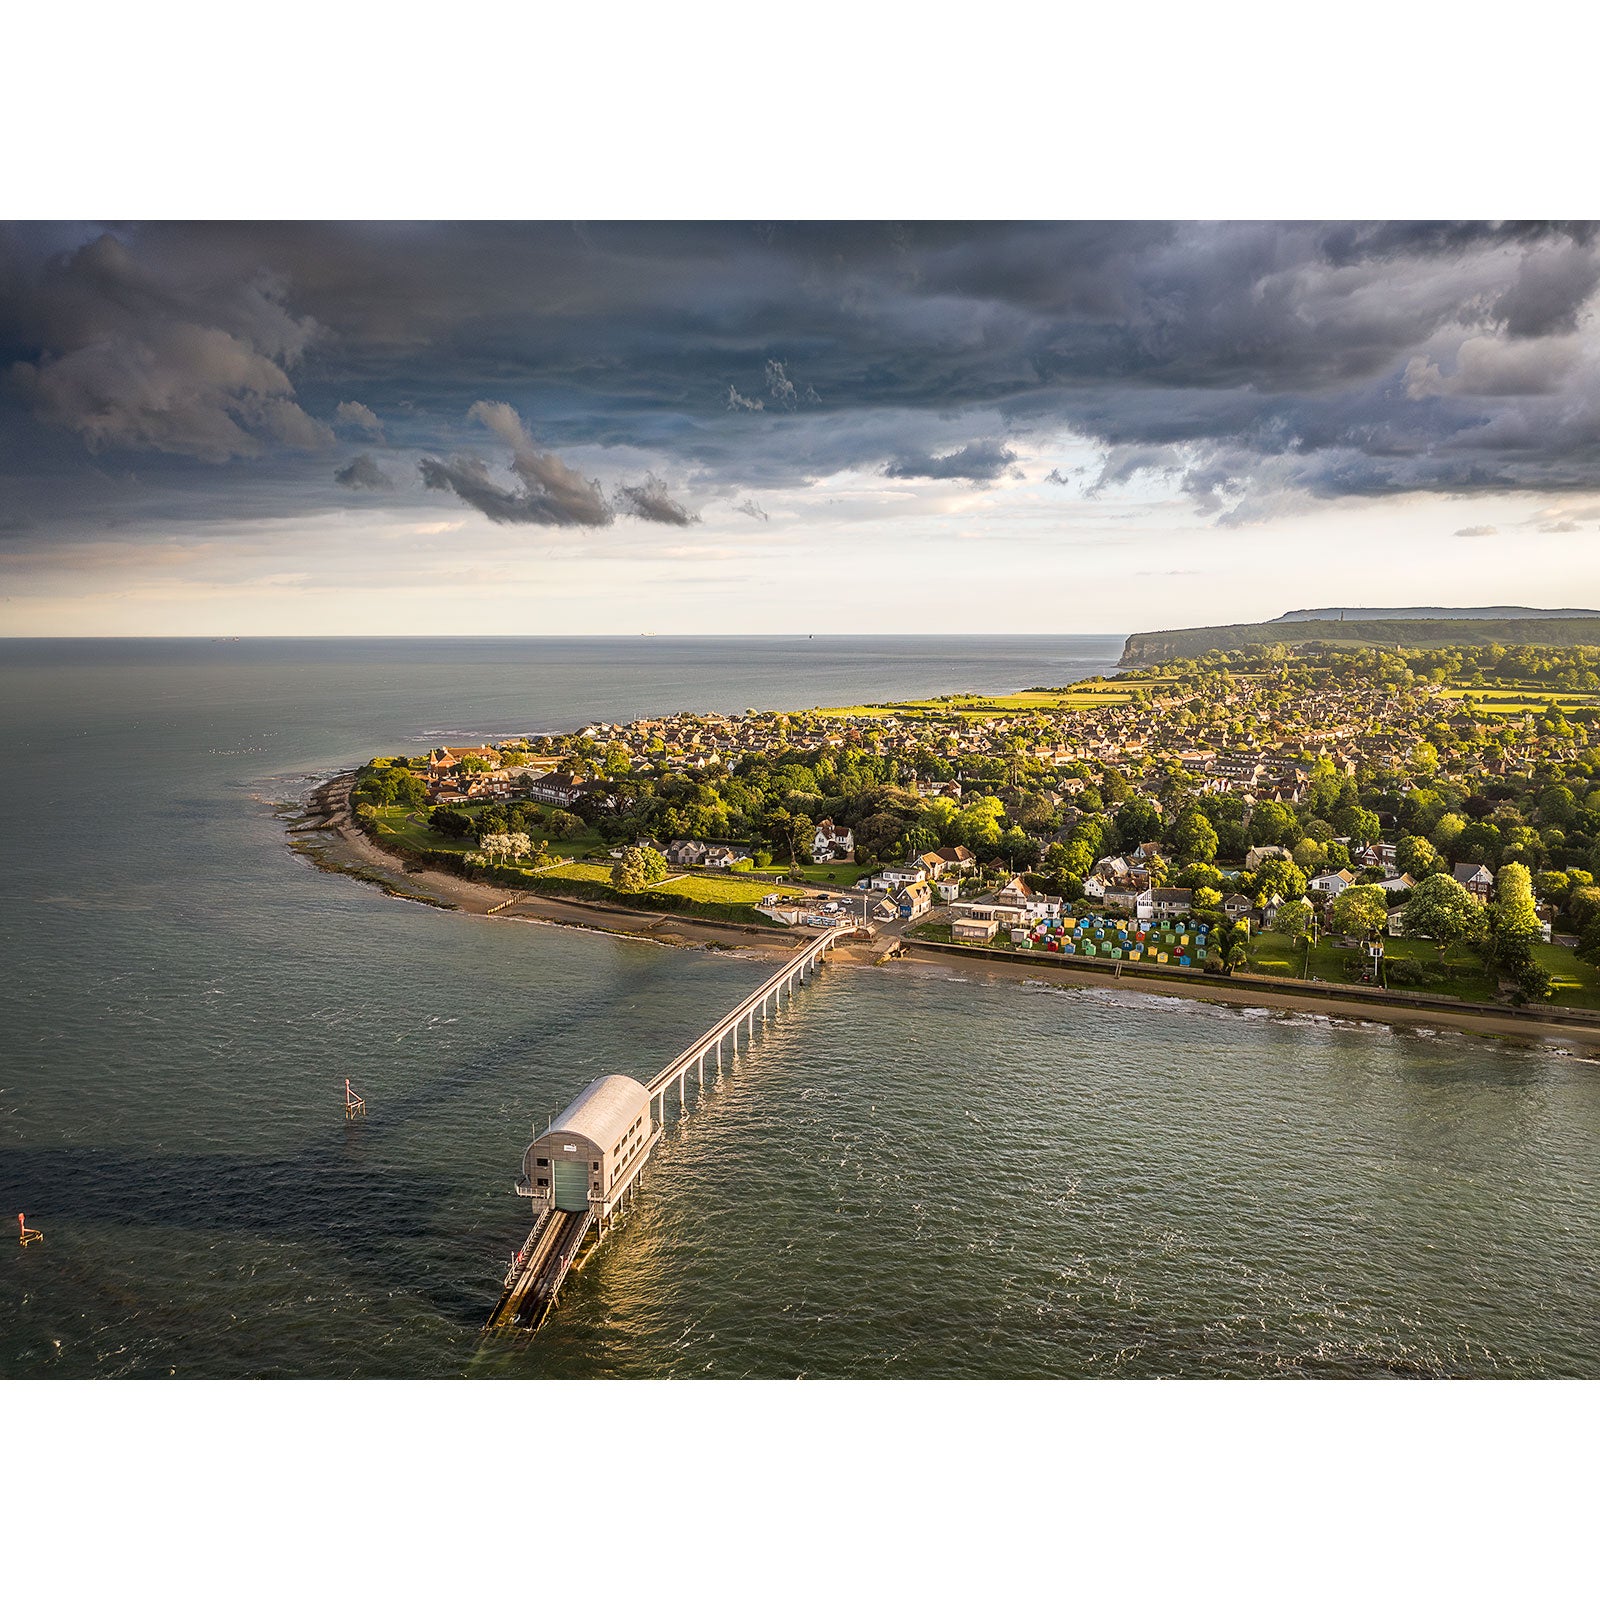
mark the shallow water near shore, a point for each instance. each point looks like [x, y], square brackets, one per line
[915, 1172]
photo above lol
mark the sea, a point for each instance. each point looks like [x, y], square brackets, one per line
[917, 1171]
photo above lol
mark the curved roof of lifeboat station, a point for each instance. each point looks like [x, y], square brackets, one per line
[604, 1111]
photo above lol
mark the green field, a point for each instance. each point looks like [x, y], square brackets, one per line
[1500, 700]
[975, 707]
[732, 890]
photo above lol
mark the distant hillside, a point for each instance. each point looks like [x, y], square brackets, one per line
[1515, 626]
[1431, 613]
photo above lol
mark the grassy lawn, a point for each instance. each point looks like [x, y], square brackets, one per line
[837, 874]
[411, 828]
[733, 890]
[1577, 983]
[573, 872]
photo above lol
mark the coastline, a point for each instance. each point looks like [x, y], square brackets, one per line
[1526, 1030]
[328, 837]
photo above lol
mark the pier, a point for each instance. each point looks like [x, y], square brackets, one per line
[582, 1169]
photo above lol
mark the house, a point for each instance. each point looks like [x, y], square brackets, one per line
[1259, 854]
[1402, 883]
[883, 909]
[1170, 902]
[913, 900]
[895, 877]
[958, 859]
[554, 788]
[1094, 887]
[971, 930]
[1275, 904]
[1380, 855]
[830, 843]
[724, 856]
[1475, 878]
[1333, 884]
[1015, 893]
[1237, 907]
[685, 853]
[994, 915]
[450, 758]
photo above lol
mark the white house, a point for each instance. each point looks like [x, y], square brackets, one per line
[830, 843]
[1333, 884]
[897, 876]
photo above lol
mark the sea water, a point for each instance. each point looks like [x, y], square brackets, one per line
[917, 1171]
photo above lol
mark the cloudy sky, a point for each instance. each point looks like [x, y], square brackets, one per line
[227, 428]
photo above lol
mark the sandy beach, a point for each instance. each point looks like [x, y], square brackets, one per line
[328, 836]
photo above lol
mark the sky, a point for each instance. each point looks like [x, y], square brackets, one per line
[542, 428]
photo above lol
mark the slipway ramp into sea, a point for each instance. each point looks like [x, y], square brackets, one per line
[581, 1170]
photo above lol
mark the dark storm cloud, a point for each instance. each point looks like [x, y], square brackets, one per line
[362, 419]
[552, 495]
[982, 461]
[651, 502]
[1251, 365]
[131, 356]
[363, 473]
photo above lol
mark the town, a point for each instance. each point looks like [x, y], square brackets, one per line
[1417, 818]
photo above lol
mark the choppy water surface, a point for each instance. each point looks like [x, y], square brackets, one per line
[918, 1172]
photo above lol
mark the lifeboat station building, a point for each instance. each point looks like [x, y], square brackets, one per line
[593, 1151]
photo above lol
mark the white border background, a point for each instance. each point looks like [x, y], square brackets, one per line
[343, 110]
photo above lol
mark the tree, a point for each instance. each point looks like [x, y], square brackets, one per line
[1292, 920]
[1194, 838]
[505, 846]
[1309, 855]
[1281, 878]
[1272, 822]
[1413, 854]
[1138, 821]
[1513, 930]
[1359, 824]
[638, 867]
[449, 821]
[1441, 909]
[1361, 912]
[1018, 848]
[1231, 944]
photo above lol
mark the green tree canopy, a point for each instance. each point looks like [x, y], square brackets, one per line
[1194, 838]
[638, 867]
[1440, 909]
